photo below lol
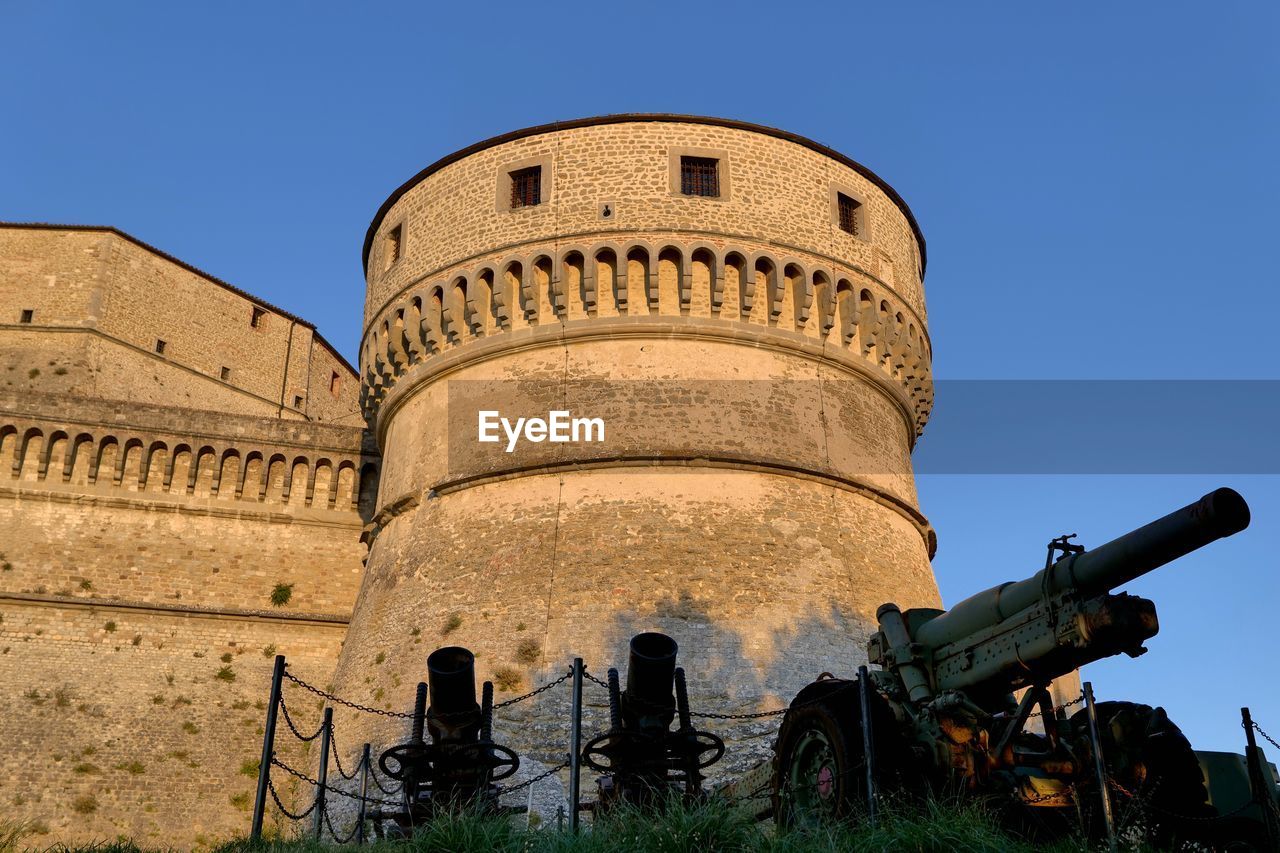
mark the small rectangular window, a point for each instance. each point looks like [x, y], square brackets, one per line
[258, 316]
[226, 374]
[297, 401]
[334, 384]
[160, 346]
[848, 211]
[391, 247]
[27, 315]
[526, 187]
[700, 176]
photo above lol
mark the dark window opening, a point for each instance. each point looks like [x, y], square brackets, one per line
[226, 374]
[160, 346]
[334, 384]
[28, 314]
[526, 187]
[297, 401]
[700, 176]
[391, 247]
[848, 212]
[258, 316]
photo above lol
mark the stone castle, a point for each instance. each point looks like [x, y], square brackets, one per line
[192, 480]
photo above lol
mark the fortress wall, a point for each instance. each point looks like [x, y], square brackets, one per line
[116, 722]
[127, 296]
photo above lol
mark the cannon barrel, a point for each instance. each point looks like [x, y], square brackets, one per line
[451, 674]
[651, 670]
[1220, 513]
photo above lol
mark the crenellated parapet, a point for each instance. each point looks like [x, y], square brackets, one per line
[625, 285]
[160, 453]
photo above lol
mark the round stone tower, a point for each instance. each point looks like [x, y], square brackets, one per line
[742, 310]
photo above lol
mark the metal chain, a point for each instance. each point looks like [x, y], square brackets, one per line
[1064, 706]
[271, 786]
[526, 783]
[544, 688]
[757, 715]
[587, 675]
[289, 722]
[1259, 730]
[337, 838]
[333, 747]
[316, 782]
[324, 694]
[390, 792]
[1115, 783]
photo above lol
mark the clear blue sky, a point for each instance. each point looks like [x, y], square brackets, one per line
[1097, 183]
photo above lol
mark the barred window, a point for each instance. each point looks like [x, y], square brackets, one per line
[526, 187]
[161, 346]
[28, 314]
[256, 318]
[700, 176]
[848, 213]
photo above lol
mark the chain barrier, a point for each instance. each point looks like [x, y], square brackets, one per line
[503, 791]
[1257, 728]
[543, 689]
[338, 839]
[324, 694]
[390, 792]
[1064, 706]
[337, 760]
[330, 788]
[271, 786]
[289, 722]
[1115, 784]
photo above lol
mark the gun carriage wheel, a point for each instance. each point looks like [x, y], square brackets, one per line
[1151, 758]
[820, 768]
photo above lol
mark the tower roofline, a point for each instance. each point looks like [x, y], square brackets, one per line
[627, 118]
[53, 226]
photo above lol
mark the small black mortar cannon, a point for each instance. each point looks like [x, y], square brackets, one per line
[642, 758]
[460, 765]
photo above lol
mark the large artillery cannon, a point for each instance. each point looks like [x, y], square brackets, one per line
[941, 712]
[461, 763]
[642, 758]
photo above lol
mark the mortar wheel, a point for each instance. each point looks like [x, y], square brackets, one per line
[1156, 776]
[819, 773]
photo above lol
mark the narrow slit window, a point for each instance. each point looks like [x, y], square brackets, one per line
[335, 383]
[226, 374]
[28, 314]
[700, 176]
[256, 319]
[526, 187]
[849, 211]
[391, 247]
[161, 346]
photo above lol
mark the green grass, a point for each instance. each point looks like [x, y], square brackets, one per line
[712, 827]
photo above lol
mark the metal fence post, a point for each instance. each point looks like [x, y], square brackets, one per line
[868, 753]
[326, 739]
[364, 792]
[1258, 785]
[268, 749]
[1103, 789]
[575, 746]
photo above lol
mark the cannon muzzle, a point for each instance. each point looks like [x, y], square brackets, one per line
[651, 670]
[1220, 513]
[451, 674]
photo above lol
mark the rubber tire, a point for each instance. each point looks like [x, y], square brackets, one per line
[833, 709]
[1151, 757]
